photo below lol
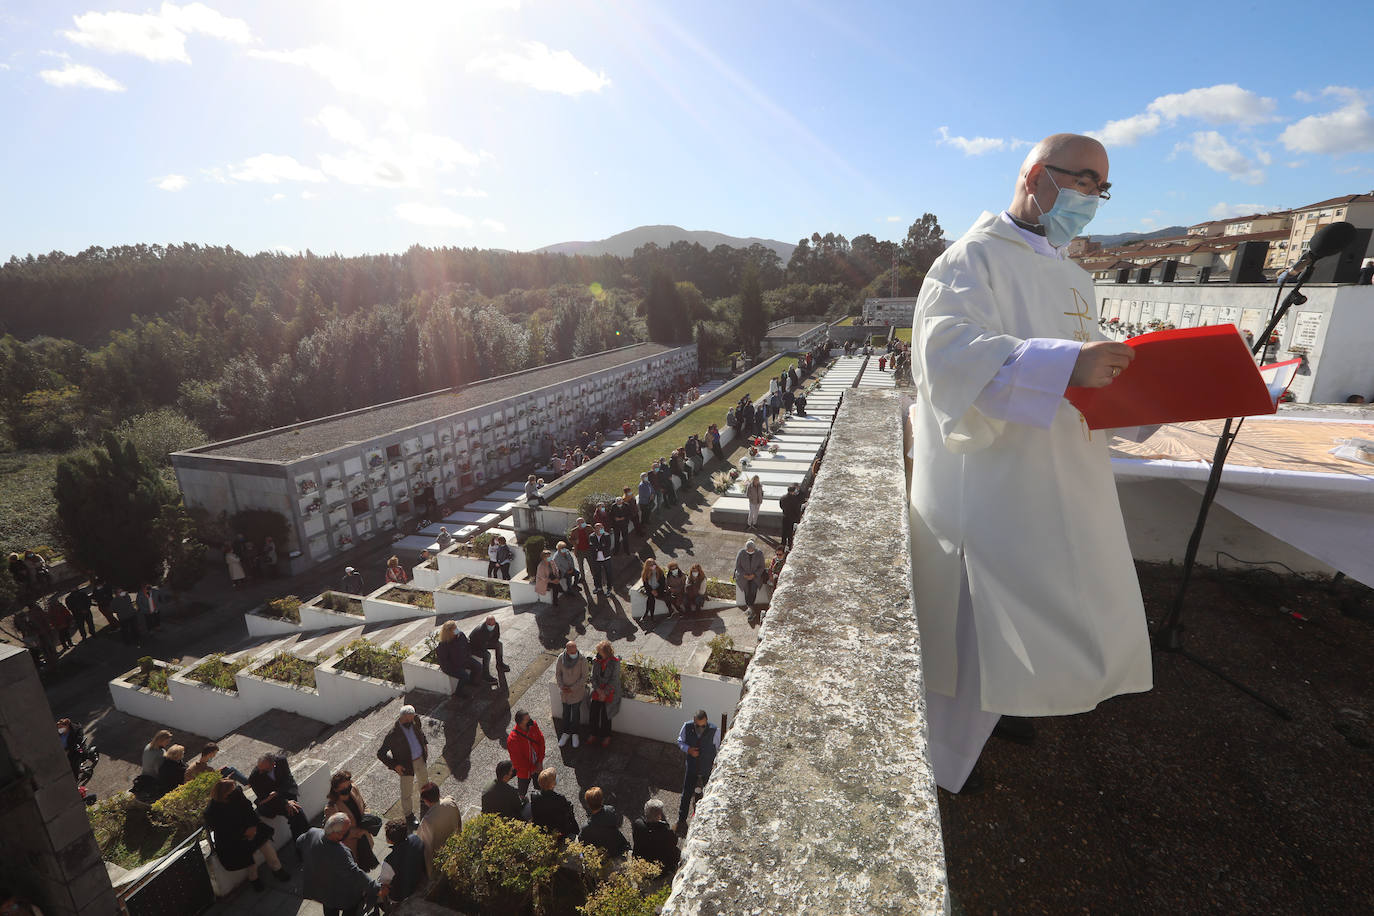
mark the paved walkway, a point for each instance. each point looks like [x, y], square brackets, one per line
[466, 732]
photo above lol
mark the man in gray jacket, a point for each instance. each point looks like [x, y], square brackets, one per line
[329, 873]
[749, 568]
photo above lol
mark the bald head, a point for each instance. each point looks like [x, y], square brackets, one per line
[1037, 187]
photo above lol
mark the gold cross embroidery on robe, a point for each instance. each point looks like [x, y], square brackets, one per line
[1082, 315]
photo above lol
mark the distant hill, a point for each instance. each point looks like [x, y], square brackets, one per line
[624, 244]
[1111, 241]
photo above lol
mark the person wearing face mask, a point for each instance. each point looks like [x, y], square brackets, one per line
[602, 547]
[485, 640]
[570, 672]
[1025, 589]
[749, 569]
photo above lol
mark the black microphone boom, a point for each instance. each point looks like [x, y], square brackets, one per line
[1328, 240]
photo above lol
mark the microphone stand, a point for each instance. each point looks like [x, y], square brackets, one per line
[1169, 635]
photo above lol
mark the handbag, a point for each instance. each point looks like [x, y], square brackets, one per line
[371, 823]
[263, 834]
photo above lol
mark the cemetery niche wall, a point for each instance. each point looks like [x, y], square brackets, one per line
[348, 478]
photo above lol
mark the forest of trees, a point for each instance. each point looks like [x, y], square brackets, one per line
[228, 343]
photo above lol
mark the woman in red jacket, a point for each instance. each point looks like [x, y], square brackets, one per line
[525, 744]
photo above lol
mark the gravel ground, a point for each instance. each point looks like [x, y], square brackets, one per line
[1194, 798]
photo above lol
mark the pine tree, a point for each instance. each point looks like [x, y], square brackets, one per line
[111, 506]
[752, 324]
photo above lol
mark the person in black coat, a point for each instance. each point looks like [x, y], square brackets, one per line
[791, 506]
[551, 809]
[484, 640]
[237, 833]
[603, 825]
[501, 797]
[403, 870]
[653, 840]
[171, 773]
[276, 792]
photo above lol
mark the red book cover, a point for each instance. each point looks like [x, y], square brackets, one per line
[1185, 374]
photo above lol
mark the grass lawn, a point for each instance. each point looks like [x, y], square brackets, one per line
[632, 460]
[26, 500]
[904, 334]
[848, 321]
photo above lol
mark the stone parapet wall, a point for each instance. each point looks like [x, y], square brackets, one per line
[822, 800]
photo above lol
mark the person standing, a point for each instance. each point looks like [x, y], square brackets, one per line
[126, 613]
[570, 672]
[149, 607]
[1017, 619]
[546, 577]
[620, 524]
[396, 573]
[698, 740]
[646, 494]
[79, 603]
[601, 546]
[504, 557]
[500, 797]
[403, 871]
[551, 809]
[581, 536]
[525, 745]
[754, 493]
[440, 818]
[269, 556]
[566, 564]
[791, 506]
[749, 568]
[605, 698]
[237, 576]
[405, 750]
[632, 513]
[352, 582]
[653, 841]
[103, 596]
[329, 874]
[60, 620]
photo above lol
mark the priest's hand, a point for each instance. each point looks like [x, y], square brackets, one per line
[1099, 363]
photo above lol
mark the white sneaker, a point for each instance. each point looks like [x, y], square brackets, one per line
[563, 740]
[575, 741]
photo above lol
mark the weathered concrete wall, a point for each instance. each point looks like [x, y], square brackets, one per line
[47, 848]
[822, 800]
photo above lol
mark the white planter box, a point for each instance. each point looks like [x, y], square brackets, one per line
[207, 710]
[384, 610]
[259, 625]
[271, 694]
[447, 602]
[712, 692]
[427, 676]
[428, 579]
[762, 596]
[636, 717]
[522, 592]
[140, 701]
[344, 694]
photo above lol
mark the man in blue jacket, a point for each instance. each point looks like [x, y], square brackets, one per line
[699, 740]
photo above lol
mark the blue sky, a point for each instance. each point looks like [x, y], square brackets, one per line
[359, 127]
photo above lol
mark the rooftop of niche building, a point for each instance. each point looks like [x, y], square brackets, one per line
[313, 437]
[822, 800]
[794, 329]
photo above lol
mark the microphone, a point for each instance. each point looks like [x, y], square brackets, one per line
[1328, 240]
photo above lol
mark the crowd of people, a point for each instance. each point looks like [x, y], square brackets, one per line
[248, 561]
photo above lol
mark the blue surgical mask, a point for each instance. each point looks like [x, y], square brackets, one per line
[1071, 213]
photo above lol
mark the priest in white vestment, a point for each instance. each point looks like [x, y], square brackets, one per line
[1025, 589]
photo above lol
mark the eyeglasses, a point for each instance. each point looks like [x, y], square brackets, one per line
[1095, 184]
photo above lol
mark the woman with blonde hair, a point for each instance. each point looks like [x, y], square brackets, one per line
[754, 493]
[453, 657]
[395, 572]
[605, 684]
[651, 582]
[344, 798]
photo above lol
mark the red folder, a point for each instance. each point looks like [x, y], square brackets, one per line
[1186, 374]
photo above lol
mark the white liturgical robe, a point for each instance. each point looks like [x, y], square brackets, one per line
[1028, 515]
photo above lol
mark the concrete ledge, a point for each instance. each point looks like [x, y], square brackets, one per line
[822, 800]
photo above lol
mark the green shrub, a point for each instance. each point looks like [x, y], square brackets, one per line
[483, 541]
[287, 608]
[182, 808]
[342, 603]
[107, 819]
[651, 680]
[412, 596]
[721, 589]
[502, 865]
[476, 585]
[288, 669]
[622, 894]
[534, 552]
[720, 644]
[216, 672]
[362, 657]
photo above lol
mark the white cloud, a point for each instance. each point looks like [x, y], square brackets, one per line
[277, 196]
[172, 182]
[1223, 104]
[893, 219]
[534, 64]
[80, 76]
[381, 73]
[465, 192]
[432, 216]
[397, 157]
[1223, 210]
[493, 225]
[976, 146]
[1127, 131]
[1348, 129]
[1214, 151]
[1226, 103]
[159, 37]
[342, 126]
[1304, 96]
[271, 168]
